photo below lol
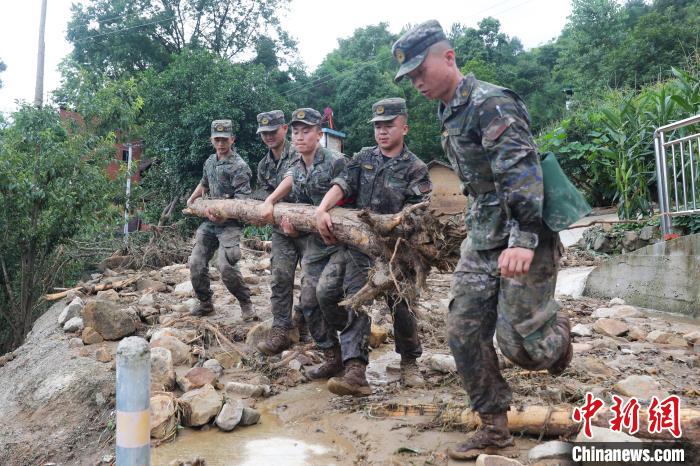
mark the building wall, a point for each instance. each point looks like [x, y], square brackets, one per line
[447, 194]
[332, 142]
[120, 160]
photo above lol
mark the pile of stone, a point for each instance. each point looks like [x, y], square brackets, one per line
[609, 240]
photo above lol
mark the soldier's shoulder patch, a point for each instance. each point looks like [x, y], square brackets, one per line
[368, 166]
[497, 127]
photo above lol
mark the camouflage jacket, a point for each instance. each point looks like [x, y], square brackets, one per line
[309, 186]
[271, 172]
[385, 186]
[228, 178]
[486, 135]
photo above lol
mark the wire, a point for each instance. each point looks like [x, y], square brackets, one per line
[122, 29]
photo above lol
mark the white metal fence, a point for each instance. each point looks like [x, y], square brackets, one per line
[677, 147]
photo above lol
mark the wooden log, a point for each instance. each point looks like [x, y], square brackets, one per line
[92, 290]
[347, 227]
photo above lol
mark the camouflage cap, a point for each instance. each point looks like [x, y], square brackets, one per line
[388, 109]
[270, 121]
[308, 116]
[412, 47]
[221, 129]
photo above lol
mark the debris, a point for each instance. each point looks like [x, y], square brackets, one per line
[616, 302]
[250, 417]
[214, 366]
[603, 434]
[108, 295]
[496, 460]
[184, 289]
[637, 334]
[659, 336]
[73, 325]
[179, 350]
[71, 310]
[199, 376]
[162, 370]
[164, 419]
[552, 449]
[444, 363]
[230, 415]
[75, 343]
[642, 387]
[103, 354]
[581, 330]
[246, 390]
[377, 336]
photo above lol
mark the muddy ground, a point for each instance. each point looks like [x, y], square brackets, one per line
[301, 422]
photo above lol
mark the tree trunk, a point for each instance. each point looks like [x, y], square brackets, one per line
[404, 245]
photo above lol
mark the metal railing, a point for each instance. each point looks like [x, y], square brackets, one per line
[677, 169]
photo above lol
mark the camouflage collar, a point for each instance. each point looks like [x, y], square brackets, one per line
[404, 155]
[461, 97]
[286, 152]
[228, 159]
[320, 155]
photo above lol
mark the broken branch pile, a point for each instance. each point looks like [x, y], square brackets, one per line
[405, 245]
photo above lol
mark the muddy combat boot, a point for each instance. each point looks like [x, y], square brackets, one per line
[410, 373]
[302, 326]
[333, 365]
[492, 438]
[203, 308]
[247, 312]
[354, 382]
[563, 362]
[276, 342]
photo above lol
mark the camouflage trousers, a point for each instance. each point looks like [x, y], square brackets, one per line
[521, 311]
[286, 252]
[347, 272]
[315, 256]
[226, 238]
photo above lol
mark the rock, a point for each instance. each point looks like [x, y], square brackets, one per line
[582, 347]
[228, 359]
[601, 243]
[143, 284]
[593, 366]
[184, 289]
[162, 370]
[250, 417]
[636, 334]
[103, 354]
[444, 363]
[238, 389]
[179, 350]
[552, 449]
[261, 265]
[678, 341]
[625, 311]
[214, 366]
[201, 405]
[108, 295]
[252, 279]
[71, 310]
[692, 337]
[642, 387]
[581, 330]
[75, 343]
[603, 312]
[696, 347]
[610, 327]
[179, 308]
[377, 336]
[647, 232]
[200, 376]
[496, 460]
[603, 434]
[607, 343]
[76, 324]
[630, 240]
[659, 336]
[184, 384]
[294, 365]
[147, 300]
[230, 415]
[191, 303]
[616, 302]
[184, 335]
[258, 333]
[108, 319]
[163, 419]
[90, 336]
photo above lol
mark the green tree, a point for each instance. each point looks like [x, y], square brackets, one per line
[53, 187]
[127, 36]
[3, 67]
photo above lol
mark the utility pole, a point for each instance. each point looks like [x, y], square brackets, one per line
[39, 90]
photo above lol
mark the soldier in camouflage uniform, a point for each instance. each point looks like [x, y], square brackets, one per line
[225, 176]
[505, 279]
[384, 179]
[286, 250]
[308, 180]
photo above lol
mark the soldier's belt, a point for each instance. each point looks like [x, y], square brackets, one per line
[478, 187]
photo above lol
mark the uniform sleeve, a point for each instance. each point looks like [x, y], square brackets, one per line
[420, 187]
[261, 181]
[505, 132]
[241, 182]
[349, 178]
[205, 179]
